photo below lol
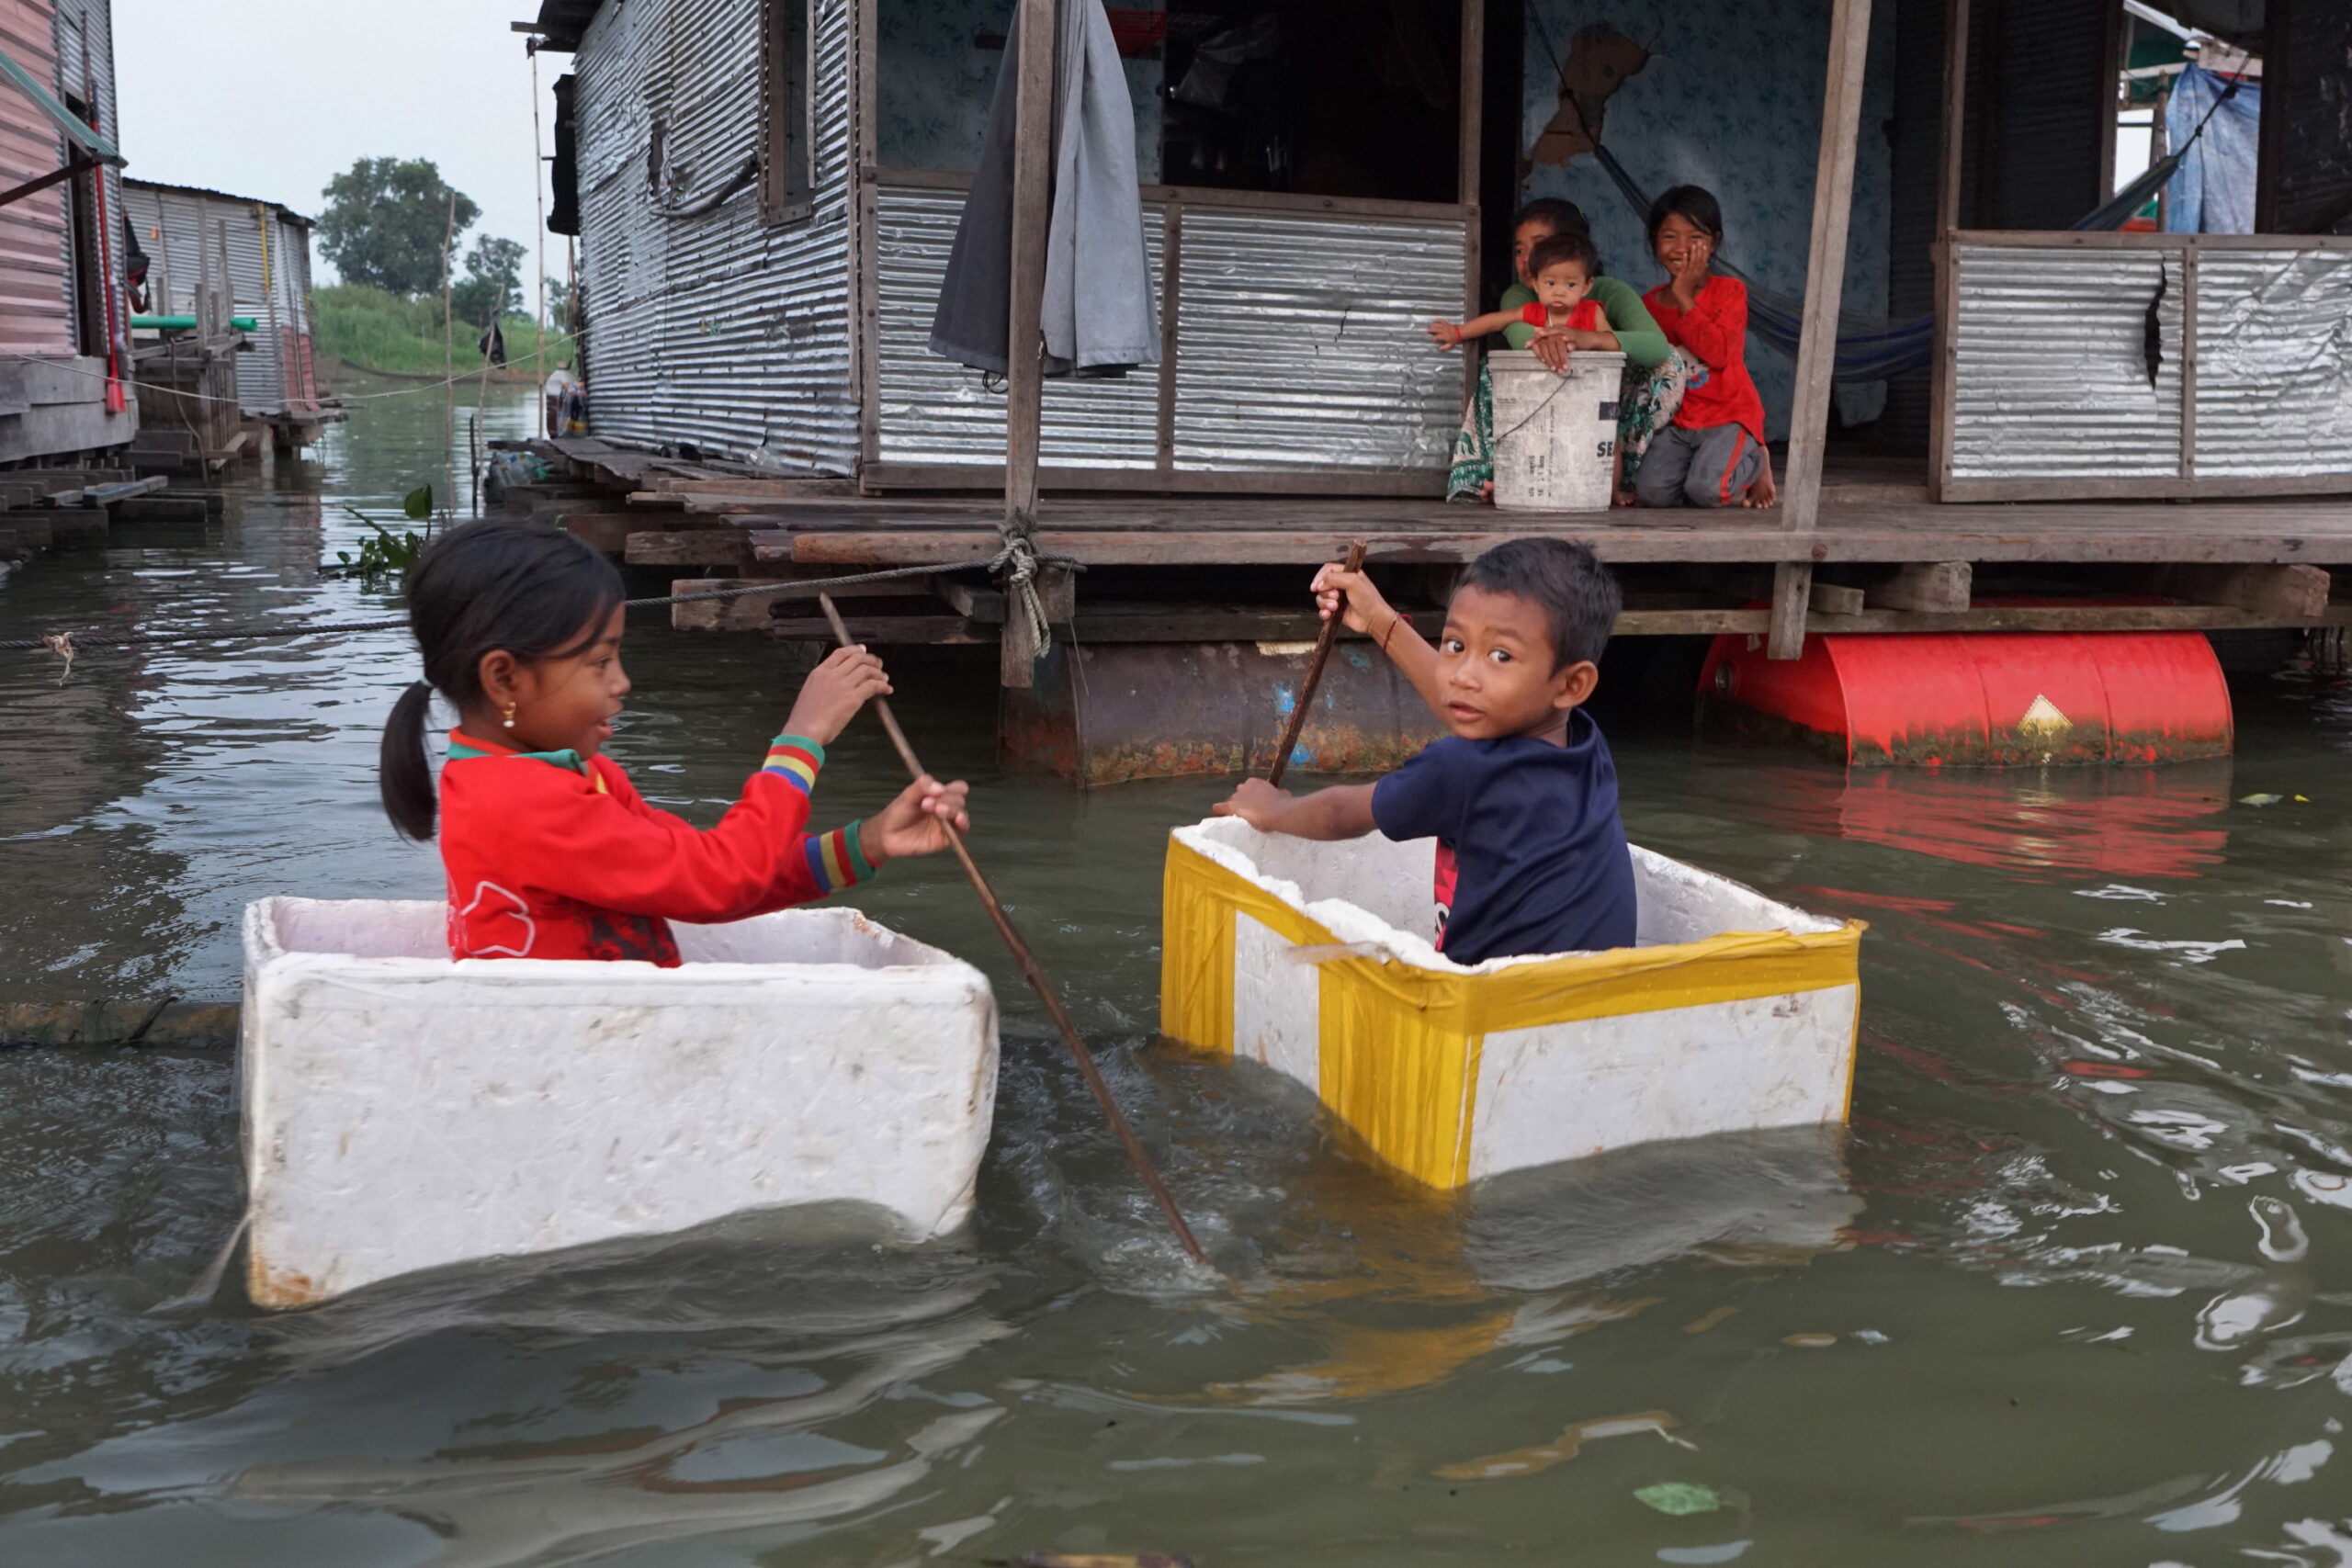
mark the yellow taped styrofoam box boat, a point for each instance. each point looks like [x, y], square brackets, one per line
[1732, 1011]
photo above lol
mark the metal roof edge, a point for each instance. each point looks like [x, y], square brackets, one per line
[134, 182]
[561, 23]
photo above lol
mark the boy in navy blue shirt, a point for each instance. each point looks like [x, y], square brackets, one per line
[1523, 797]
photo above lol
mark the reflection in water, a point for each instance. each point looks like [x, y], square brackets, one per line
[2076, 1288]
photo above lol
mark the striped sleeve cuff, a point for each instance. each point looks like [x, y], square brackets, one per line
[795, 758]
[836, 859]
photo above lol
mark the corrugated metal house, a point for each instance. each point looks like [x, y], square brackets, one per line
[63, 308]
[194, 237]
[766, 191]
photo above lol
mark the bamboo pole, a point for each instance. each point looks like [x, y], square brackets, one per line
[449, 362]
[1035, 973]
[539, 196]
[1323, 641]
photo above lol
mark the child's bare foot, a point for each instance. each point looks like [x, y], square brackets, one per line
[1625, 498]
[1487, 493]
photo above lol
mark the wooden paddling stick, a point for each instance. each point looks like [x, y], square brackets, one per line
[1323, 641]
[1035, 973]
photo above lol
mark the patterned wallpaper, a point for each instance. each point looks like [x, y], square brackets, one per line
[932, 103]
[1731, 101]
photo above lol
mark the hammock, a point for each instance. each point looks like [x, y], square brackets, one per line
[1871, 349]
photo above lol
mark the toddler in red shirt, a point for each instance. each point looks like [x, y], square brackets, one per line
[1562, 266]
[1713, 454]
[550, 852]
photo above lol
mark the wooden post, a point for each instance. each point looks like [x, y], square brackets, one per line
[1033, 176]
[1824, 284]
[1954, 129]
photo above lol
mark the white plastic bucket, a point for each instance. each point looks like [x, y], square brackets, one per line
[1556, 435]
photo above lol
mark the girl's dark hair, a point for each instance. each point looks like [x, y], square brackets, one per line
[1565, 247]
[532, 591]
[1692, 204]
[1555, 213]
[1578, 596]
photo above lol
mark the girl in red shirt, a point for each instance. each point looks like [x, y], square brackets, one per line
[1713, 454]
[550, 851]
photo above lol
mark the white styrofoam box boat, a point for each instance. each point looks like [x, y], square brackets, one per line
[1732, 1012]
[403, 1112]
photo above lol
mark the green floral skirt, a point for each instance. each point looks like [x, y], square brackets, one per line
[1647, 405]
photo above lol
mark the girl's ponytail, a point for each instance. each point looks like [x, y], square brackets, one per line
[404, 774]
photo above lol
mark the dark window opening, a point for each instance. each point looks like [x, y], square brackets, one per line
[81, 237]
[563, 217]
[787, 116]
[1320, 98]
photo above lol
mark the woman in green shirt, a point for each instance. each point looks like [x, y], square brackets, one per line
[1655, 373]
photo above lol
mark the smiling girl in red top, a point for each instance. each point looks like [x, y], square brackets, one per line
[551, 851]
[1715, 454]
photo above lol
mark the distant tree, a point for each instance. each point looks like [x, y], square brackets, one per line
[384, 221]
[559, 305]
[492, 285]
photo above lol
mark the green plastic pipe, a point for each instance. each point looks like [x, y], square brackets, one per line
[242, 323]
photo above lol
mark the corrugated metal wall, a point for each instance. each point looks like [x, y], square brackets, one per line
[1300, 344]
[2273, 363]
[723, 330]
[934, 412]
[35, 317]
[2042, 99]
[2052, 378]
[83, 37]
[173, 222]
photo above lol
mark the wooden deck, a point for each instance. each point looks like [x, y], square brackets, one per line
[1889, 558]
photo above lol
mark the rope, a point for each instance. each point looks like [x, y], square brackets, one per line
[66, 644]
[1019, 561]
[433, 386]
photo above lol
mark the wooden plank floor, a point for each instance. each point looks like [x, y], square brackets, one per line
[1131, 531]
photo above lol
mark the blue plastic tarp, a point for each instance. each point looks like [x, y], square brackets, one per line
[2213, 191]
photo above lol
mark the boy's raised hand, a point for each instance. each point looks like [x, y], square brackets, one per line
[916, 823]
[834, 693]
[1338, 591]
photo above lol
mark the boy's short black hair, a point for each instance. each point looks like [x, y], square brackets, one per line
[1565, 247]
[1555, 213]
[1578, 595]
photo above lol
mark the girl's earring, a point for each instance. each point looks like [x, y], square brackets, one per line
[510, 716]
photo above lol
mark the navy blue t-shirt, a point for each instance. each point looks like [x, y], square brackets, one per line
[1531, 856]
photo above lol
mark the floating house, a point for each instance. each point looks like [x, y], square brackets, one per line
[257, 254]
[65, 316]
[764, 193]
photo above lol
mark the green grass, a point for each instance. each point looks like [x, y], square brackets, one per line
[376, 330]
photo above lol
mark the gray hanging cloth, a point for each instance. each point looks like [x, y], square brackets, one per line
[1100, 315]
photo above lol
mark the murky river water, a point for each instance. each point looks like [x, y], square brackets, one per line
[2076, 1289]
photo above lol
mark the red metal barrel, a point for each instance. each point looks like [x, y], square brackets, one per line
[1932, 698]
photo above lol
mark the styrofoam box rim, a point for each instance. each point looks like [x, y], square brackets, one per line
[1352, 923]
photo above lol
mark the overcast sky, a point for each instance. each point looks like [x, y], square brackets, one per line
[272, 98]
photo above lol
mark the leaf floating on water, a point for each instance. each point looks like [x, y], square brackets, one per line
[1527, 1462]
[1681, 1497]
[2260, 799]
[1811, 1341]
[1713, 1319]
[1098, 1560]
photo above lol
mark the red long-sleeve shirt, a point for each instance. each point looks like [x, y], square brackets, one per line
[550, 855]
[1714, 333]
[1585, 316]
